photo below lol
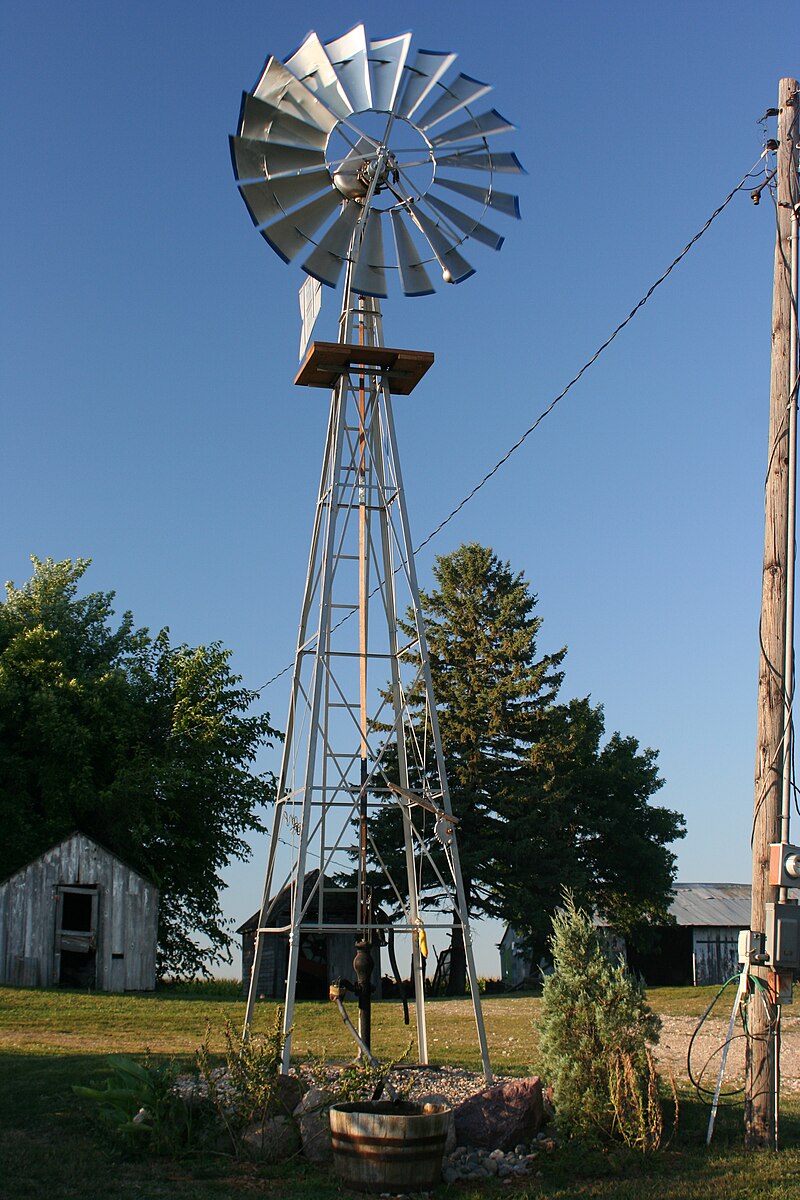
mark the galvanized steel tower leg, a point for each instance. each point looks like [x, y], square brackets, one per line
[360, 481]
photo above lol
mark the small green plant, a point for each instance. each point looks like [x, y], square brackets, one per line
[596, 1031]
[246, 1087]
[358, 1080]
[140, 1103]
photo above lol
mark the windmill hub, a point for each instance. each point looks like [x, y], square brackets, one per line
[355, 176]
[390, 148]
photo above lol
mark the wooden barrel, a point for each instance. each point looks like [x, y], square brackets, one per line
[389, 1146]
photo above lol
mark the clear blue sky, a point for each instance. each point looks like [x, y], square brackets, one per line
[149, 342]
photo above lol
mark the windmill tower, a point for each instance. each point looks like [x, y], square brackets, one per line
[339, 146]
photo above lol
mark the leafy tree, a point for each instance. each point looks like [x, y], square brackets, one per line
[541, 801]
[144, 746]
[590, 821]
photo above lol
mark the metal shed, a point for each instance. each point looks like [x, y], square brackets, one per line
[78, 917]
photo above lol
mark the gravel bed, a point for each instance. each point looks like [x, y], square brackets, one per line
[412, 1083]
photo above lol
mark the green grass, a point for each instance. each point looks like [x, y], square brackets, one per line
[52, 1149]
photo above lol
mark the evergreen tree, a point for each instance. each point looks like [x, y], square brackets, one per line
[596, 1031]
[493, 692]
[542, 803]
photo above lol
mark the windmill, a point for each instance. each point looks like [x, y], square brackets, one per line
[340, 147]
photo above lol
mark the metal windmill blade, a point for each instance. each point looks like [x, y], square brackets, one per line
[345, 131]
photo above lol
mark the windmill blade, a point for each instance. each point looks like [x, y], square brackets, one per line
[369, 277]
[478, 158]
[249, 159]
[424, 73]
[292, 233]
[387, 58]
[287, 160]
[279, 86]
[449, 258]
[468, 225]
[348, 54]
[261, 121]
[253, 162]
[503, 202]
[271, 199]
[414, 279]
[483, 126]
[326, 261]
[462, 91]
[311, 65]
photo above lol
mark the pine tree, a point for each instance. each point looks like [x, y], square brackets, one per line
[542, 801]
[493, 693]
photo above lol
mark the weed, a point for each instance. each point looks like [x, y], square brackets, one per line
[247, 1087]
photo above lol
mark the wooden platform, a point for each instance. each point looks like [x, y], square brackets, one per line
[326, 362]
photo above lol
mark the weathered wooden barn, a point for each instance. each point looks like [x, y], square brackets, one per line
[323, 956]
[78, 917]
[700, 948]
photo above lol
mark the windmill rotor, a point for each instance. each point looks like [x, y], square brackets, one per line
[358, 151]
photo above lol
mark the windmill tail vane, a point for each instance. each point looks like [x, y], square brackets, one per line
[365, 159]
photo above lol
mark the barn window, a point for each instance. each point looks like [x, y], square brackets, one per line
[76, 914]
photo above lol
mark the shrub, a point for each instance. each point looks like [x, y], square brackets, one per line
[596, 1032]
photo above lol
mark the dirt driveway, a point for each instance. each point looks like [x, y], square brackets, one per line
[676, 1033]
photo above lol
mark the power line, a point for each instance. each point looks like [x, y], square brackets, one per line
[586, 366]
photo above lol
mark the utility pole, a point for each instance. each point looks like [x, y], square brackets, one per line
[776, 675]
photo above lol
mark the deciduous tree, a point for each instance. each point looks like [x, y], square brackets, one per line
[146, 747]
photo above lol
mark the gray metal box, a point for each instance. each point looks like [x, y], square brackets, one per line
[783, 936]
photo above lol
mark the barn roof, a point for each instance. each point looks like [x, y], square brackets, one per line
[336, 898]
[706, 904]
[712, 904]
[76, 835]
[715, 903]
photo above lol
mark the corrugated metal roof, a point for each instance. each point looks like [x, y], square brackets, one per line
[712, 904]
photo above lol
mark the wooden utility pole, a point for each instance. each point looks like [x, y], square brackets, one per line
[774, 686]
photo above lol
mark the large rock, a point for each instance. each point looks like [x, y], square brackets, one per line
[272, 1140]
[314, 1124]
[287, 1094]
[500, 1117]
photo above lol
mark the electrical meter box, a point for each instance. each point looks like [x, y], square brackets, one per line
[783, 937]
[784, 864]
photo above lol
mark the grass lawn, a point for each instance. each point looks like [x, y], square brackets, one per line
[52, 1149]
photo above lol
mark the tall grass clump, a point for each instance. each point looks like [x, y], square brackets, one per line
[596, 1034]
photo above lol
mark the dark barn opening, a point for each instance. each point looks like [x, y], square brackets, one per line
[76, 937]
[76, 911]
